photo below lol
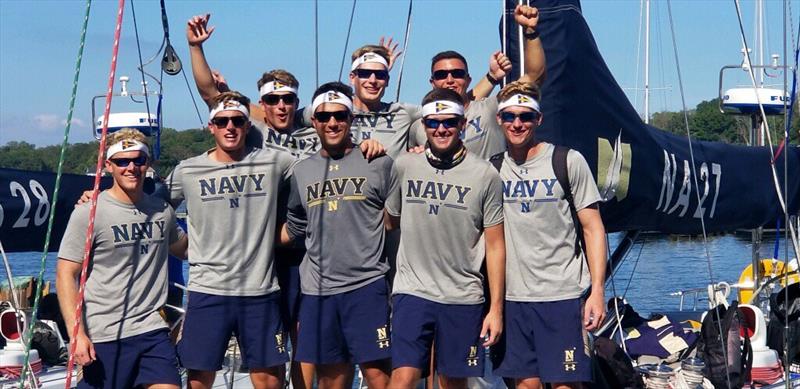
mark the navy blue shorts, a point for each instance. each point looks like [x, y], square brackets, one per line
[545, 340]
[144, 359]
[211, 320]
[288, 270]
[349, 327]
[417, 323]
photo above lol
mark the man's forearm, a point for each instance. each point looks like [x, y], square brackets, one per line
[202, 74]
[67, 290]
[534, 61]
[596, 252]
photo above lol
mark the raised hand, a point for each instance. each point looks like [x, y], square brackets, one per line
[499, 65]
[197, 30]
[391, 47]
[526, 16]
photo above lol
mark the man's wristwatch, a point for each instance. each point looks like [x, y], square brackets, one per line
[491, 79]
[530, 33]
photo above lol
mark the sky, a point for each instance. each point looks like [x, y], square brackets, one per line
[39, 45]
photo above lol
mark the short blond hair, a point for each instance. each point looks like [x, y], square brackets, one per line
[380, 50]
[278, 75]
[230, 95]
[126, 133]
[518, 88]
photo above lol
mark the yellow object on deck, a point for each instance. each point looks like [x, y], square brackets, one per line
[768, 268]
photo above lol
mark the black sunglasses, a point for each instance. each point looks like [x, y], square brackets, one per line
[525, 117]
[324, 116]
[456, 73]
[447, 123]
[367, 73]
[124, 162]
[273, 99]
[222, 122]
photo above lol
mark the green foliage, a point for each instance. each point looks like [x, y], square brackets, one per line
[81, 158]
[706, 122]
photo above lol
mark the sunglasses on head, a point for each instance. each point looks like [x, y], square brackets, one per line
[456, 73]
[525, 117]
[273, 99]
[124, 162]
[367, 73]
[222, 122]
[447, 123]
[324, 116]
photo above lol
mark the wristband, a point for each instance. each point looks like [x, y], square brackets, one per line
[491, 79]
[531, 35]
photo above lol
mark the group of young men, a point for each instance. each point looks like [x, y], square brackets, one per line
[293, 223]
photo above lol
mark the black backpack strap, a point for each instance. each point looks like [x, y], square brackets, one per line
[562, 175]
[497, 161]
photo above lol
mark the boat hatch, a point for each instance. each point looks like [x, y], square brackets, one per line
[136, 120]
[745, 101]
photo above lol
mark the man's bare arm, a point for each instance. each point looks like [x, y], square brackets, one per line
[67, 273]
[496, 276]
[594, 234]
[528, 18]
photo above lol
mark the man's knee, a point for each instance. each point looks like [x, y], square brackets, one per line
[268, 378]
[528, 383]
[199, 379]
[404, 378]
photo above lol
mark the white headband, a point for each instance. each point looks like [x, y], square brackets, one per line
[276, 86]
[442, 107]
[519, 100]
[127, 145]
[331, 97]
[369, 58]
[229, 105]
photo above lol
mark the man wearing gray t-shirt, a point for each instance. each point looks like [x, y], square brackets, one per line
[446, 200]
[231, 195]
[548, 266]
[481, 135]
[122, 341]
[344, 313]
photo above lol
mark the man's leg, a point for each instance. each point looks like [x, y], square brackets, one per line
[268, 378]
[453, 383]
[413, 328]
[405, 378]
[376, 373]
[162, 386]
[459, 350]
[158, 362]
[364, 314]
[529, 383]
[207, 327]
[262, 339]
[568, 385]
[335, 376]
[198, 379]
[562, 348]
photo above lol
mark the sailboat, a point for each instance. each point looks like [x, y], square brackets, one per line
[651, 180]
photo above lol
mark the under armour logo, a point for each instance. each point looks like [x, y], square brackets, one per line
[439, 171]
[523, 171]
[333, 168]
[383, 344]
[570, 367]
[472, 362]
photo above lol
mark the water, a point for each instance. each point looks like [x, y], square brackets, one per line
[663, 264]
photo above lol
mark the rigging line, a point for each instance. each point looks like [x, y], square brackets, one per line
[773, 170]
[19, 316]
[608, 255]
[95, 193]
[316, 41]
[347, 40]
[59, 173]
[141, 65]
[633, 271]
[405, 49]
[694, 178]
[194, 102]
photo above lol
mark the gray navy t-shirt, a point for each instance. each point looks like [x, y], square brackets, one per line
[232, 208]
[127, 280]
[540, 236]
[443, 215]
[390, 126]
[301, 142]
[482, 135]
[337, 204]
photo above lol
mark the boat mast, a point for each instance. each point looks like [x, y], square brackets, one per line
[647, 63]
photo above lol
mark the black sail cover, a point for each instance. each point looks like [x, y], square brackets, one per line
[645, 174]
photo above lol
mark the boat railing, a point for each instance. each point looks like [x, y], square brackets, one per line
[712, 294]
